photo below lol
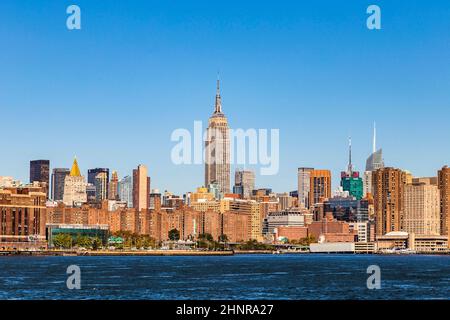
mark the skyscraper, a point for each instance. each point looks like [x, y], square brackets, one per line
[350, 180]
[244, 182]
[74, 187]
[101, 186]
[444, 190]
[217, 148]
[92, 175]
[58, 177]
[304, 186]
[141, 188]
[113, 193]
[40, 172]
[388, 194]
[125, 189]
[375, 160]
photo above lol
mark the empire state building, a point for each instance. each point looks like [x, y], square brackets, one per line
[217, 148]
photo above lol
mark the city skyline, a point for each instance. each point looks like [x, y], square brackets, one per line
[328, 88]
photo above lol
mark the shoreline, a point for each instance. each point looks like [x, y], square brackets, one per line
[189, 253]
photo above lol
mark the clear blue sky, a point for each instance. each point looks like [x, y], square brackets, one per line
[113, 92]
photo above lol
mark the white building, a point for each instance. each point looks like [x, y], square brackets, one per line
[74, 187]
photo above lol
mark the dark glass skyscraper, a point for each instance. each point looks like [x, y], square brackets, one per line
[92, 174]
[40, 172]
[58, 177]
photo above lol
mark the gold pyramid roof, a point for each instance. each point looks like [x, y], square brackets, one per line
[75, 171]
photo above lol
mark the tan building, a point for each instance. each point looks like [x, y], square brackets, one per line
[422, 207]
[217, 148]
[74, 187]
[389, 191]
[141, 188]
[202, 194]
[444, 189]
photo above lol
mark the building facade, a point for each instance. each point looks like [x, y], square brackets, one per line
[217, 148]
[22, 217]
[389, 192]
[320, 186]
[422, 209]
[304, 186]
[444, 190]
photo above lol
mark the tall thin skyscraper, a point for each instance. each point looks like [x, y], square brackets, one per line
[141, 188]
[304, 186]
[217, 148]
[113, 187]
[58, 177]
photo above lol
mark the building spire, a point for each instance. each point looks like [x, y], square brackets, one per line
[350, 166]
[218, 107]
[374, 146]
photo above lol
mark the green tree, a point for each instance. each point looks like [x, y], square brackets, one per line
[174, 235]
[223, 238]
[84, 242]
[62, 241]
[96, 243]
[206, 236]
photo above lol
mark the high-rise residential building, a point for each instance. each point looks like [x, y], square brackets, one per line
[444, 189]
[92, 175]
[101, 186]
[350, 180]
[375, 160]
[320, 186]
[422, 209]
[58, 177]
[113, 193]
[141, 188]
[217, 148]
[125, 190]
[74, 187]
[155, 200]
[388, 194]
[367, 183]
[40, 172]
[304, 186]
[244, 183]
